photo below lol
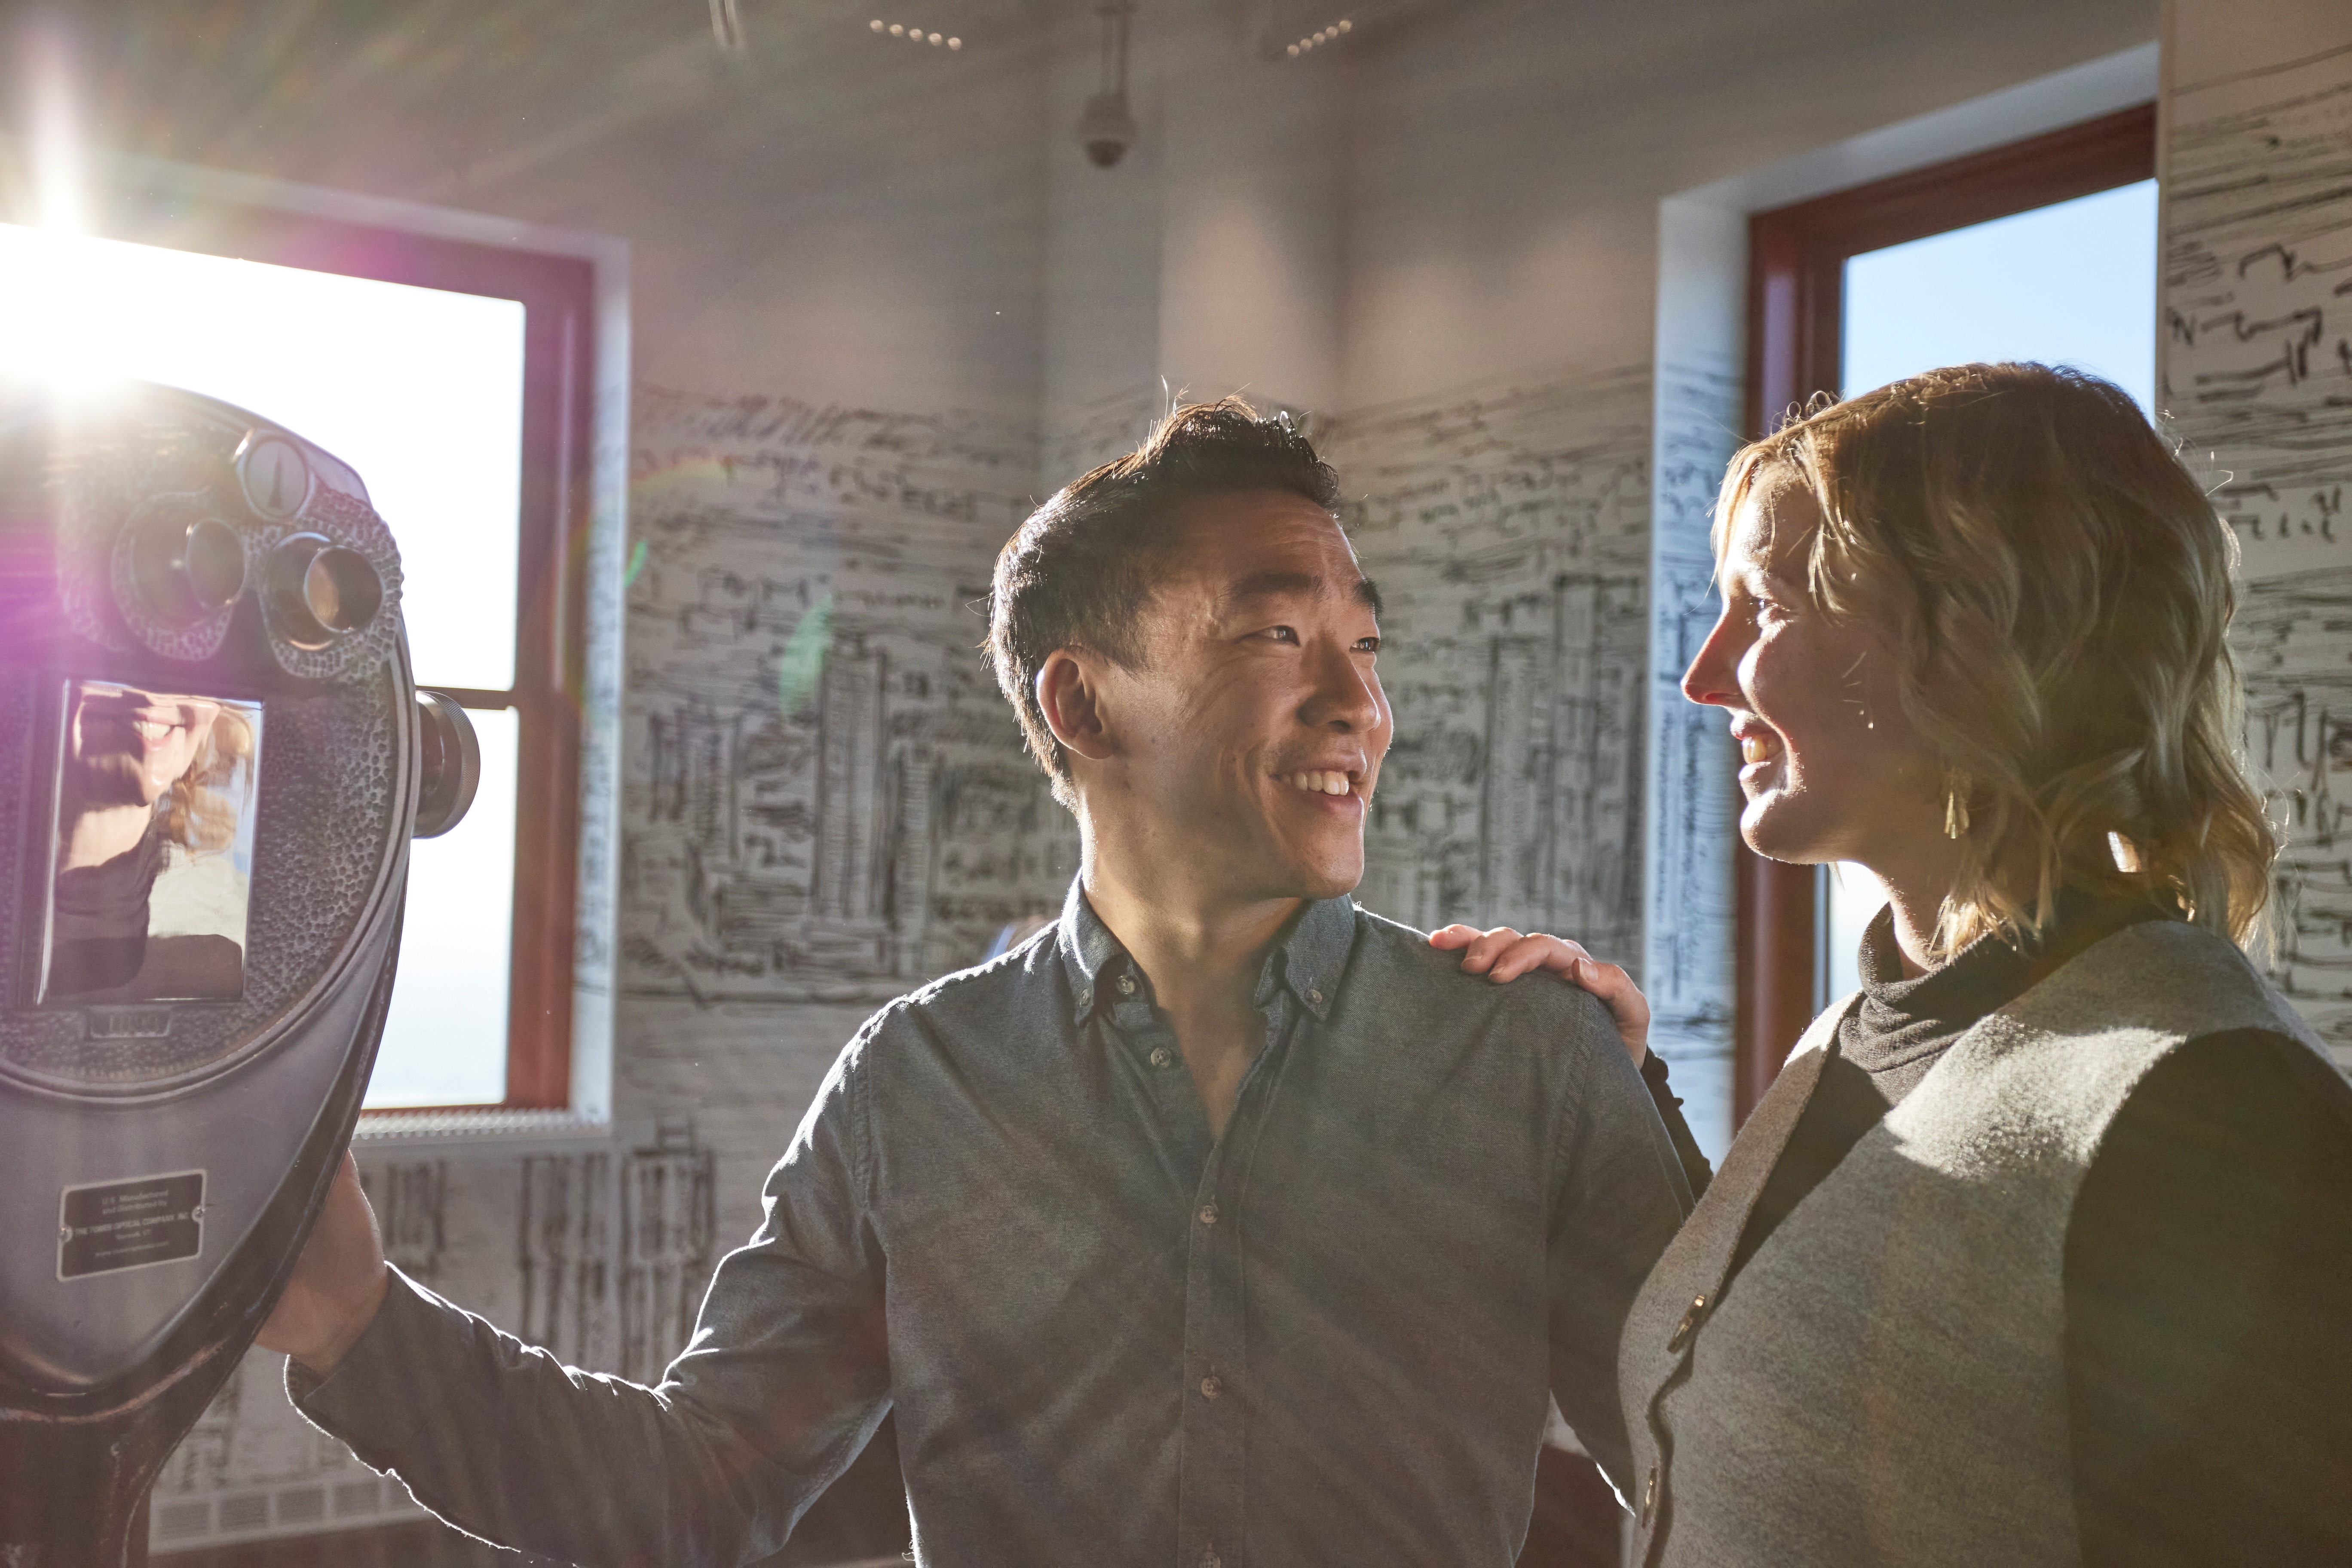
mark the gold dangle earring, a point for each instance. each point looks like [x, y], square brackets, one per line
[1955, 803]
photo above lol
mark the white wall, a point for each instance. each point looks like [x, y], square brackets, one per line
[855, 217]
[1209, 258]
[1507, 161]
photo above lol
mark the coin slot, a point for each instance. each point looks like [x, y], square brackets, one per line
[274, 475]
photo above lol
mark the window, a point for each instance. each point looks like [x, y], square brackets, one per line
[1852, 291]
[454, 378]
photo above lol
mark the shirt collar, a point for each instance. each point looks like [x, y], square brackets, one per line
[1085, 945]
[1309, 962]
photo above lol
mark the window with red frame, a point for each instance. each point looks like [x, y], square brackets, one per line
[455, 377]
[1802, 265]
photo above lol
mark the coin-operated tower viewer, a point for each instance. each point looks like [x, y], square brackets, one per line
[213, 756]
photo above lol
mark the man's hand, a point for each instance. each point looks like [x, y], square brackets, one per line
[1502, 955]
[337, 1283]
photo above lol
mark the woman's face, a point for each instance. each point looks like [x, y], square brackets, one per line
[138, 741]
[1830, 768]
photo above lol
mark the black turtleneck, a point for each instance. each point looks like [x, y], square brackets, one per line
[2208, 1271]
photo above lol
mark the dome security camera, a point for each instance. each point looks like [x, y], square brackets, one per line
[1106, 129]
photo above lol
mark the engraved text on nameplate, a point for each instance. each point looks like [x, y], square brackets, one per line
[112, 1226]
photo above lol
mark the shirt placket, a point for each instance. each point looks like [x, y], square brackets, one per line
[1214, 1428]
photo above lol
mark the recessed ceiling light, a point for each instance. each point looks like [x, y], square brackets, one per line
[1325, 34]
[915, 32]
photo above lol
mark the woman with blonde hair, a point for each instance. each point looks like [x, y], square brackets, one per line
[2040, 1248]
[147, 902]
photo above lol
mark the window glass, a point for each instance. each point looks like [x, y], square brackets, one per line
[445, 1042]
[421, 390]
[1855, 896]
[2072, 283]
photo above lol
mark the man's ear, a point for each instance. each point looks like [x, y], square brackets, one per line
[1070, 694]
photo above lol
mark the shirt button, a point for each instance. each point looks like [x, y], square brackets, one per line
[1315, 996]
[1212, 1387]
[1210, 1559]
[1161, 1056]
[1127, 985]
[1209, 1213]
[1688, 1326]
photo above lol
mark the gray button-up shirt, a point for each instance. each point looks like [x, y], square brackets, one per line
[1325, 1337]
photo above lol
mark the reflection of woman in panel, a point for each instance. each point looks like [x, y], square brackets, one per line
[2040, 1249]
[149, 902]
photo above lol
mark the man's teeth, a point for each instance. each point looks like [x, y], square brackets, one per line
[1318, 783]
[1752, 749]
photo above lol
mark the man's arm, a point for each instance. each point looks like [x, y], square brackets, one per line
[784, 1380]
[1619, 1197]
[338, 1282]
[1696, 1168]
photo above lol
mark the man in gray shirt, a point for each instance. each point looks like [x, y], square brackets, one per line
[1223, 1223]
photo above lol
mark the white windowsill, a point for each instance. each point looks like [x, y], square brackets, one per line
[486, 1129]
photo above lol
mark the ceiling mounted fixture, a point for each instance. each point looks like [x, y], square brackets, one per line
[901, 30]
[1106, 125]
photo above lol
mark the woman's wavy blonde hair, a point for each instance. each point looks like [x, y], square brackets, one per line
[203, 811]
[2059, 589]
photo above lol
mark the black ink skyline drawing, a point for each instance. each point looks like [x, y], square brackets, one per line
[2257, 370]
[826, 797]
[2258, 384]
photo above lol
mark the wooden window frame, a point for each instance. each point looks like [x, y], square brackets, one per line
[1796, 309]
[558, 296]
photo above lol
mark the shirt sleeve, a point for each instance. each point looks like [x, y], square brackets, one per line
[2208, 1281]
[784, 1381]
[1696, 1171]
[1621, 1196]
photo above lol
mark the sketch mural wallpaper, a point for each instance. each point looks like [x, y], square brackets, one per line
[2257, 368]
[825, 794]
[1509, 529]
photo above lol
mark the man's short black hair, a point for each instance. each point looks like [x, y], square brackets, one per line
[1079, 572]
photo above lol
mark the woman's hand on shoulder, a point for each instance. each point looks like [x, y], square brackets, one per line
[1504, 954]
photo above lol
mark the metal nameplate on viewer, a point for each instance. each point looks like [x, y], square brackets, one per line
[108, 1226]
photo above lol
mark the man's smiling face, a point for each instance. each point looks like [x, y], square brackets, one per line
[1252, 735]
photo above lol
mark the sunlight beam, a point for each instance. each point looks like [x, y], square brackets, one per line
[58, 174]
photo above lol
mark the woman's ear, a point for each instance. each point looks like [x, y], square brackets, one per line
[1070, 694]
